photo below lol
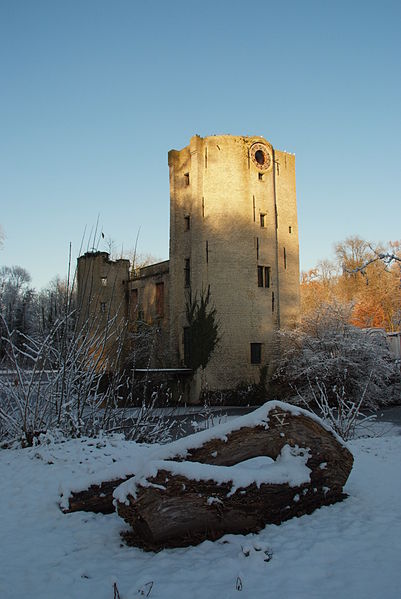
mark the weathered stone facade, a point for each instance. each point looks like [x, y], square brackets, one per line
[233, 234]
[103, 309]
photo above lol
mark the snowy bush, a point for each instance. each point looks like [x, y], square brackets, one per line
[62, 383]
[326, 353]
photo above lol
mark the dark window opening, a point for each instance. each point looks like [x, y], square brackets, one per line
[285, 258]
[203, 207]
[289, 229]
[187, 271]
[260, 176]
[160, 299]
[207, 252]
[256, 353]
[260, 157]
[263, 220]
[187, 222]
[257, 248]
[260, 276]
[253, 207]
[186, 177]
[264, 276]
[272, 301]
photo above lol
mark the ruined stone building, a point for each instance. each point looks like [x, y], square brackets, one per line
[233, 240]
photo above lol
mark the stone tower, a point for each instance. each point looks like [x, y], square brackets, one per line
[102, 301]
[233, 231]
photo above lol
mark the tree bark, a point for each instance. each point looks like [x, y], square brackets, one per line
[176, 510]
[98, 498]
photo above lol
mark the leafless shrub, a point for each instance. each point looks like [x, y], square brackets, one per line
[326, 351]
[343, 415]
[70, 379]
[68, 386]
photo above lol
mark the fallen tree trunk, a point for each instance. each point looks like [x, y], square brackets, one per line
[97, 498]
[169, 517]
[234, 442]
[174, 503]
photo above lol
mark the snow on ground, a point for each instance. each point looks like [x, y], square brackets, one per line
[349, 550]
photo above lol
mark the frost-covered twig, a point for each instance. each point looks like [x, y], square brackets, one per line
[343, 415]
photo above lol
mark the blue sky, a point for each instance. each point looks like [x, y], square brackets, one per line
[95, 93]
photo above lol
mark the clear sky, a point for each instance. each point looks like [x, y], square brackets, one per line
[93, 94]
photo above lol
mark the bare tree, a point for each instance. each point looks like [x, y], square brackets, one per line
[390, 256]
[51, 303]
[16, 298]
[365, 276]
[352, 252]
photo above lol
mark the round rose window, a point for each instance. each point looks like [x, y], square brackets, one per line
[260, 156]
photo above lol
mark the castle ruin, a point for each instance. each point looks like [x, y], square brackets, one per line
[233, 244]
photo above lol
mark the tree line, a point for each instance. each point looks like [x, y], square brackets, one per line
[363, 278]
[28, 312]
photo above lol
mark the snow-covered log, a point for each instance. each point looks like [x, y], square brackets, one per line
[270, 465]
[97, 498]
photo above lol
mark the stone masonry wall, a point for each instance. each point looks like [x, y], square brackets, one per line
[229, 215]
[102, 301]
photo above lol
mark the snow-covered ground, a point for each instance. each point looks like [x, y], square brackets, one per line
[349, 550]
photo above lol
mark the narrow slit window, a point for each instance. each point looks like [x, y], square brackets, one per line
[263, 220]
[257, 248]
[256, 353]
[187, 219]
[205, 157]
[272, 301]
[289, 229]
[207, 252]
[187, 272]
[260, 176]
[186, 178]
[267, 276]
[254, 209]
[285, 258]
[203, 207]
[260, 276]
